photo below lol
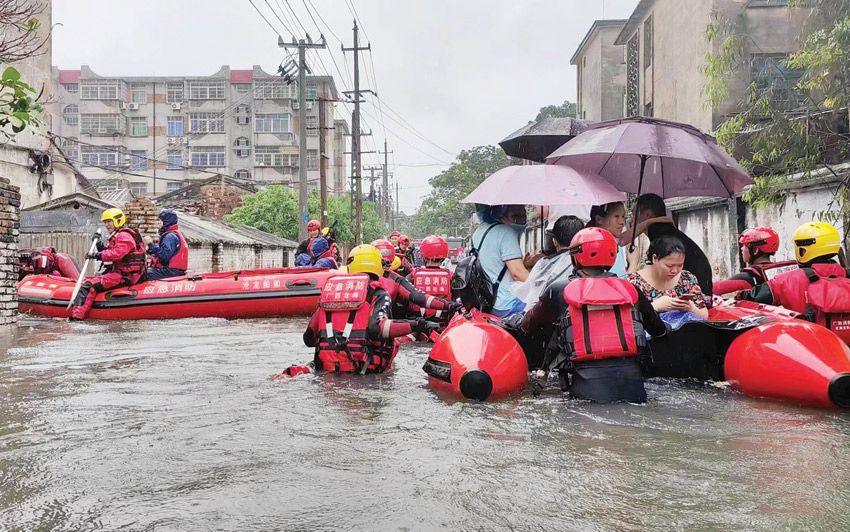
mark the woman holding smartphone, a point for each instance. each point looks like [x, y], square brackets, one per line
[665, 281]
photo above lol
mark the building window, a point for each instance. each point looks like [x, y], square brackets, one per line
[647, 43]
[70, 146]
[97, 124]
[772, 77]
[175, 160]
[632, 77]
[312, 159]
[73, 88]
[138, 93]
[71, 114]
[312, 126]
[242, 174]
[272, 89]
[312, 92]
[138, 160]
[243, 115]
[103, 89]
[271, 156]
[174, 93]
[206, 123]
[173, 186]
[206, 90]
[138, 126]
[102, 156]
[139, 189]
[209, 157]
[243, 87]
[272, 123]
[242, 147]
[175, 126]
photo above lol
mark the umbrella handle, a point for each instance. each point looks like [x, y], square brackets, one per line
[640, 186]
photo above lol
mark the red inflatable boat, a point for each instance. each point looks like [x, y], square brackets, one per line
[476, 358]
[762, 351]
[237, 294]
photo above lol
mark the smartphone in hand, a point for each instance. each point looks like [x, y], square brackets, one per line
[688, 297]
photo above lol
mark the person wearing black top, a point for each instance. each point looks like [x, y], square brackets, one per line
[650, 206]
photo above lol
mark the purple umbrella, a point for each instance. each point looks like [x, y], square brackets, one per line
[646, 155]
[543, 184]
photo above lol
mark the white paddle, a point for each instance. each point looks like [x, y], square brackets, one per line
[77, 286]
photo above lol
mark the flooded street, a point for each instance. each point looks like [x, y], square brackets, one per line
[177, 426]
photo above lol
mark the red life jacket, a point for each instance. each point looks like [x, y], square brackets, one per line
[435, 282]
[602, 319]
[180, 260]
[134, 264]
[821, 291]
[768, 270]
[345, 307]
[789, 289]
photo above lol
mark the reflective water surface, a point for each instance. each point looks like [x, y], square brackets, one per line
[177, 426]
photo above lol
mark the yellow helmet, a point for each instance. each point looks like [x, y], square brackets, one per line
[814, 240]
[396, 264]
[365, 259]
[116, 215]
[326, 231]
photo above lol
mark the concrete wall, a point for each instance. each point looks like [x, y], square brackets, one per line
[589, 70]
[602, 76]
[15, 159]
[10, 204]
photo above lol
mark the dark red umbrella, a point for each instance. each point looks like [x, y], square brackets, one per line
[647, 155]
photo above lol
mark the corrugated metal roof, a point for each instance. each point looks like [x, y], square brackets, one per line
[119, 197]
[202, 230]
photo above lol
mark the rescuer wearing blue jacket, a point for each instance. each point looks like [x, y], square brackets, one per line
[170, 256]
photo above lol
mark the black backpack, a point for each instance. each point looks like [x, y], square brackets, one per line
[470, 282]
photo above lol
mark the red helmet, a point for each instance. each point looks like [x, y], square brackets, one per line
[386, 248]
[761, 240]
[393, 233]
[434, 247]
[593, 246]
[404, 240]
[313, 225]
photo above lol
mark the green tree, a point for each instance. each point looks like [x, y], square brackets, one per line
[19, 107]
[565, 110]
[776, 138]
[275, 210]
[19, 41]
[441, 211]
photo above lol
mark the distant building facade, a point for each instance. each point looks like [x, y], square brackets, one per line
[600, 72]
[341, 134]
[158, 132]
[663, 46]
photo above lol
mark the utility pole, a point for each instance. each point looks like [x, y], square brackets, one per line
[397, 210]
[385, 203]
[302, 45]
[323, 166]
[356, 168]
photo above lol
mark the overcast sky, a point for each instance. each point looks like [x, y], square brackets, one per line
[461, 72]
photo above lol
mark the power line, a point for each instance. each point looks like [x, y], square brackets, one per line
[264, 17]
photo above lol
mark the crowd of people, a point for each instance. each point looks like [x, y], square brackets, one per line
[595, 303]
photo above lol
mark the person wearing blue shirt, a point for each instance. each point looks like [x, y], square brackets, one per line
[500, 254]
[170, 256]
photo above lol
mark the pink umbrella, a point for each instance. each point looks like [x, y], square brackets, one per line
[543, 184]
[642, 155]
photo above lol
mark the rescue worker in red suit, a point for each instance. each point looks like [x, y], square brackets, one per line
[432, 279]
[352, 330]
[313, 229]
[757, 249]
[598, 322]
[169, 256]
[402, 292]
[819, 288]
[125, 250]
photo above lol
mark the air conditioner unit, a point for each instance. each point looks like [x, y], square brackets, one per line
[295, 105]
[171, 140]
[122, 105]
[309, 105]
[133, 106]
[175, 106]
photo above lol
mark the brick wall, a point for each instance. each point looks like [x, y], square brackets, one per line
[10, 205]
[143, 215]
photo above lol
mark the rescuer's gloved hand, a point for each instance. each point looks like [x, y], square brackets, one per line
[421, 325]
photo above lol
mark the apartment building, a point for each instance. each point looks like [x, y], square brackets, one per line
[159, 132]
[340, 174]
[663, 46]
[600, 72]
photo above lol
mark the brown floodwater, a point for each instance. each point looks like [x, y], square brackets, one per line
[177, 425]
